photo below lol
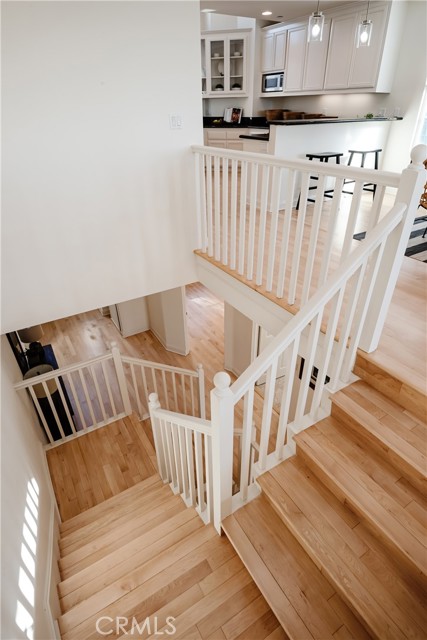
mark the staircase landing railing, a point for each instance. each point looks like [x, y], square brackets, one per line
[76, 399]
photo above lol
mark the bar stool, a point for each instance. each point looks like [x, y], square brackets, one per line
[323, 157]
[368, 186]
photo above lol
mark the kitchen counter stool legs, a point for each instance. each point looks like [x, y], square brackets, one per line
[323, 157]
[368, 186]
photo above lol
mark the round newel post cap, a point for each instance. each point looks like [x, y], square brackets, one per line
[153, 399]
[222, 381]
[419, 154]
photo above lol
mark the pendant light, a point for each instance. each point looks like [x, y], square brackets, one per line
[315, 26]
[364, 31]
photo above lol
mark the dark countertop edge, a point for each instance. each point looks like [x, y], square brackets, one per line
[329, 121]
[262, 136]
[247, 122]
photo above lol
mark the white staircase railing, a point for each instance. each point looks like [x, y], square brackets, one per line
[214, 465]
[247, 221]
[184, 456]
[73, 400]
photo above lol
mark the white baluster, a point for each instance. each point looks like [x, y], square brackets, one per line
[202, 400]
[233, 227]
[252, 220]
[275, 203]
[262, 223]
[242, 221]
[286, 228]
[224, 211]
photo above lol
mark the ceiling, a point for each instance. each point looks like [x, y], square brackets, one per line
[281, 9]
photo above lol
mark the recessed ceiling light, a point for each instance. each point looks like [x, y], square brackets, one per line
[267, 13]
[207, 10]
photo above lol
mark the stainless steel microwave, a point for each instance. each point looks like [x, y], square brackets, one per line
[272, 82]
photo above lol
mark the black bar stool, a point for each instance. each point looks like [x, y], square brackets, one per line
[323, 157]
[368, 186]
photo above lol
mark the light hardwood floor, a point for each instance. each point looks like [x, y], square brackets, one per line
[87, 335]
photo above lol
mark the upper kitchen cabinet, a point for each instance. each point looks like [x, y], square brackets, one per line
[224, 56]
[273, 49]
[350, 68]
[305, 61]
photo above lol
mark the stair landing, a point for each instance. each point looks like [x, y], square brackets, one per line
[100, 464]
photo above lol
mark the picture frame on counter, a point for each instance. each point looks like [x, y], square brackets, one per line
[233, 115]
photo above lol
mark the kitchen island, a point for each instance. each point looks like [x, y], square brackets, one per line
[292, 139]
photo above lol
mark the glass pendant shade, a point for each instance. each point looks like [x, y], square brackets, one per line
[364, 33]
[315, 27]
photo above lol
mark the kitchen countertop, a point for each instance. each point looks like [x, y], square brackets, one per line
[256, 136]
[291, 123]
[245, 123]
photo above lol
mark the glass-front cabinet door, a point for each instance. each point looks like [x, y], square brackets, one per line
[236, 52]
[225, 64]
[217, 64]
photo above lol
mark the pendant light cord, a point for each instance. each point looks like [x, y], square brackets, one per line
[367, 10]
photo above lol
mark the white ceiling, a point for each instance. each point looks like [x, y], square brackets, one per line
[281, 9]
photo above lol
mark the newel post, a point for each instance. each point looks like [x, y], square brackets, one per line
[222, 419]
[121, 378]
[154, 405]
[410, 189]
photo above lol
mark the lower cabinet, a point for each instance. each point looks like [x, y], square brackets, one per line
[224, 138]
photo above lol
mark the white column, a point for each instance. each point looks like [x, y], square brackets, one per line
[222, 419]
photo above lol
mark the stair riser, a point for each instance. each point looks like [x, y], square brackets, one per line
[406, 396]
[417, 479]
[348, 500]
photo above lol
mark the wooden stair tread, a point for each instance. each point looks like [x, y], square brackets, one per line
[294, 587]
[404, 386]
[106, 507]
[377, 419]
[339, 470]
[139, 503]
[116, 538]
[137, 551]
[345, 552]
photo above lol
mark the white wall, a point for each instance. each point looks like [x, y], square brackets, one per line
[168, 319]
[238, 337]
[22, 459]
[98, 195]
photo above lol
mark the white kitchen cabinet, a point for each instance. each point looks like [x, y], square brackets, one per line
[349, 67]
[224, 64]
[341, 45]
[295, 57]
[315, 61]
[225, 138]
[365, 62]
[273, 50]
[305, 61]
